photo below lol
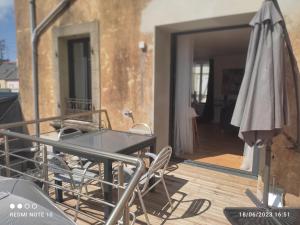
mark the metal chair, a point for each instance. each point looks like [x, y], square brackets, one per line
[32, 172]
[75, 161]
[67, 133]
[156, 170]
[76, 177]
[141, 128]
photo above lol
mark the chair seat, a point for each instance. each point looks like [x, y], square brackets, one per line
[129, 172]
[76, 178]
[76, 162]
[77, 158]
[156, 170]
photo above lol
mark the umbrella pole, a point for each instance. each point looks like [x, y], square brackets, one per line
[267, 169]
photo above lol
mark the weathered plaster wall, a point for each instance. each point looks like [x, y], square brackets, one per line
[126, 74]
[286, 162]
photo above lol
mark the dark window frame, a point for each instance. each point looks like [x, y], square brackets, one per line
[87, 52]
[201, 64]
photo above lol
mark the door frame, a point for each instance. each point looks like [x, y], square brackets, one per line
[174, 37]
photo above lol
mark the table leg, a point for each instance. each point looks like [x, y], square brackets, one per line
[121, 192]
[152, 180]
[107, 188]
[58, 192]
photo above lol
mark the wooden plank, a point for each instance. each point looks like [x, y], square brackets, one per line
[199, 197]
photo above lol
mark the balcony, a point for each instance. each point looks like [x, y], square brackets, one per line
[198, 195]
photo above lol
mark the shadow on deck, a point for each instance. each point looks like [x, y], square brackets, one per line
[198, 196]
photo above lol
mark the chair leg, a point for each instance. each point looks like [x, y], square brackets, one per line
[101, 177]
[78, 202]
[73, 187]
[86, 189]
[167, 192]
[143, 207]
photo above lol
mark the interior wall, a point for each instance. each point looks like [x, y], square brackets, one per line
[221, 62]
[236, 61]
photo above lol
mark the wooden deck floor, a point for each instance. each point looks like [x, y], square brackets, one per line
[218, 147]
[199, 197]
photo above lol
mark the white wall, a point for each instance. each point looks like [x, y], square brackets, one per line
[162, 12]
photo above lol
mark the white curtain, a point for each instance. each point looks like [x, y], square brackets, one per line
[183, 121]
[247, 163]
[251, 158]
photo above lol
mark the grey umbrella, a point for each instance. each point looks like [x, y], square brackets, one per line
[260, 107]
[23, 203]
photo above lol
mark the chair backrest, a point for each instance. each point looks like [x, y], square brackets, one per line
[159, 165]
[65, 133]
[57, 164]
[141, 128]
[68, 132]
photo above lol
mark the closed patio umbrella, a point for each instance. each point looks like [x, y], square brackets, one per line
[260, 107]
[23, 203]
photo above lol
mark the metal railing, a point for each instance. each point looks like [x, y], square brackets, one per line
[120, 209]
[75, 105]
[102, 118]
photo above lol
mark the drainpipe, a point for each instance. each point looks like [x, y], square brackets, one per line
[36, 31]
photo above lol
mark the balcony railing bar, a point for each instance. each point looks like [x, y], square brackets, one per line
[122, 204]
[64, 117]
[82, 212]
[61, 169]
[60, 187]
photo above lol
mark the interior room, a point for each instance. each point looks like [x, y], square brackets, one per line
[218, 64]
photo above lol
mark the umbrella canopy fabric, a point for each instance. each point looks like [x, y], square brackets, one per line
[260, 108]
[23, 203]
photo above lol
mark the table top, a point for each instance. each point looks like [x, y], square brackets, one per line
[112, 141]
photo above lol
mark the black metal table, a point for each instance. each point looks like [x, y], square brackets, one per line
[114, 142]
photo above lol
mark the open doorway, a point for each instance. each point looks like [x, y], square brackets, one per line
[216, 60]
